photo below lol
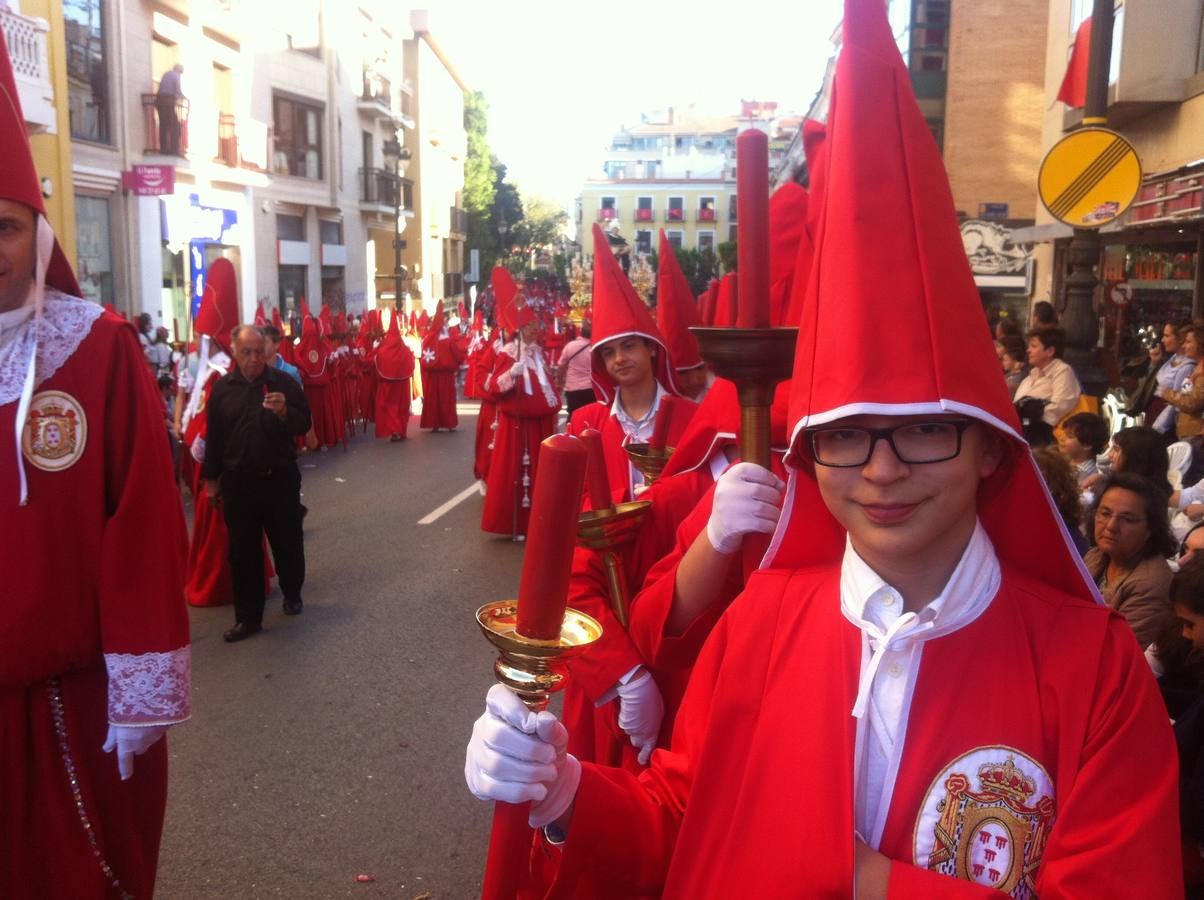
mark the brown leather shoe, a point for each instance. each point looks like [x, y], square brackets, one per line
[240, 632]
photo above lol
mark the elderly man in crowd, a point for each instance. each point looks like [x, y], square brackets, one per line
[250, 467]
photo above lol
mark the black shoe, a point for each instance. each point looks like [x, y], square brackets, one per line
[292, 607]
[241, 632]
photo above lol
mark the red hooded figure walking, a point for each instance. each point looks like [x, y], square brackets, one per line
[441, 358]
[394, 364]
[94, 649]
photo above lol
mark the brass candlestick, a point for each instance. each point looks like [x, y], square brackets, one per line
[650, 462]
[534, 669]
[756, 360]
[608, 531]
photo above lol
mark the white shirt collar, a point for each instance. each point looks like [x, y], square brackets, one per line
[876, 608]
[637, 429]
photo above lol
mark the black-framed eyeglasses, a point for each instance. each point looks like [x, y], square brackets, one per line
[914, 443]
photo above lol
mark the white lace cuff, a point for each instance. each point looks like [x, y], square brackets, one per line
[150, 688]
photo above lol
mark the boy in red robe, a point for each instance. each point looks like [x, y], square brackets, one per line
[922, 667]
[632, 373]
[441, 357]
[94, 649]
[527, 407]
[394, 365]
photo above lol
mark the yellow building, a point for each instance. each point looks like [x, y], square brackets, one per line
[33, 32]
[1149, 265]
[697, 214]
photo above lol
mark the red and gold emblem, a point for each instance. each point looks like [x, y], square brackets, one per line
[994, 835]
[313, 356]
[56, 431]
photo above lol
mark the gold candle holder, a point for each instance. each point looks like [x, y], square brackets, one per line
[608, 531]
[534, 669]
[756, 360]
[650, 462]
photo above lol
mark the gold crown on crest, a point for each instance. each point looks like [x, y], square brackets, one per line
[1006, 780]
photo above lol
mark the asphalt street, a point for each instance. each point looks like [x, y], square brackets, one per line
[331, 745]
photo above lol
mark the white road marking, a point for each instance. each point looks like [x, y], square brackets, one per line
[451, 504]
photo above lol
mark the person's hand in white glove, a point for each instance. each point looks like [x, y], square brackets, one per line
[198, 450]
[748, 500]
[641, 710]
[516, 370]
[515, 756]
[130, 741]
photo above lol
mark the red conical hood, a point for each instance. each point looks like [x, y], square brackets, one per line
[725, 302]
[218, 313]
[394, 360]
[707, 303]
[618, 311]
[882, 165]
[260, 316]
[787, 231]
[675, 309]
[504, 291]
[276, 320]
[19, 178]
[434, 329]
[324, 320]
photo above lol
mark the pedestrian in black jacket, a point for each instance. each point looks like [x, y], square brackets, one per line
[250, 468]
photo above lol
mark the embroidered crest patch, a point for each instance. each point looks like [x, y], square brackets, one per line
[986, 819]
[56, 431]
[312, 356]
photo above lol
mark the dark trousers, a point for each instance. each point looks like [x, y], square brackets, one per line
[574, 400]
[256, 504]
[169, 125]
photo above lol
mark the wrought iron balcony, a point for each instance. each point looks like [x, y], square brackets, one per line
[161, 134]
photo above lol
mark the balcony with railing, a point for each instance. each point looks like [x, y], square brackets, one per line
[607, 214]
[27, 48]
[165, 125]
[675, 214]
[645, 215]
[377, 96]
[381, 189]
[706, 214]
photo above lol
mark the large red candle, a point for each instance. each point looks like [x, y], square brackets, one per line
[660, 428]
[752, 240]
[551, 536]
[596, 475]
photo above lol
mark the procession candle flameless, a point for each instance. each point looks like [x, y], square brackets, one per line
[551, 536]
[752, 241]
[660, 429]
[596, 475]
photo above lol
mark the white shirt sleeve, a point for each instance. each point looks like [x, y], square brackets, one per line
[1190, 495]
[1064, 394]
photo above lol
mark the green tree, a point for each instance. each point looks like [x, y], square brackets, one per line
[540, 228]
[480, 180]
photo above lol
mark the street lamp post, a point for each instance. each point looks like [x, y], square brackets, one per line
[399, 156]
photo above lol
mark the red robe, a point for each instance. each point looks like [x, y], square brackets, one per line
[208, 580]
[1052, 683]
[619, 470]
[487, 416]
[92, 613]
[524, 420]
[441, 358]
[313, 359]
[394, 365]
[367, 385]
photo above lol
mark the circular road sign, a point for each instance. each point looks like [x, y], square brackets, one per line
[1089, 178]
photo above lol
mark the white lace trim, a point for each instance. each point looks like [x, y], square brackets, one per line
[150, 688]
[62, 327]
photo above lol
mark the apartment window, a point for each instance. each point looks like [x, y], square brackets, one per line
[292, 289]
[732, 231]
[290, 228]
[706, 242]
[643, 241]
[674, 239]
[706, 209]
[330, 232]
[731, 207]
[929, 35]
[608, 209]
[93, 248]
[298, 129]
[643, 209]
[87, 70]
[677, 209]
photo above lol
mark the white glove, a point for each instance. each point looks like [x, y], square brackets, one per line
[748, 499]
[515, 755]
[516, 370]
[131, 741]
[640, 712]
[197, 450]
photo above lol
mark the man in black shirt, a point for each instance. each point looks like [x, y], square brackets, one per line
[250, 469]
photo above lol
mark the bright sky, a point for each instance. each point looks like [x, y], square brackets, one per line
[562, 77]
